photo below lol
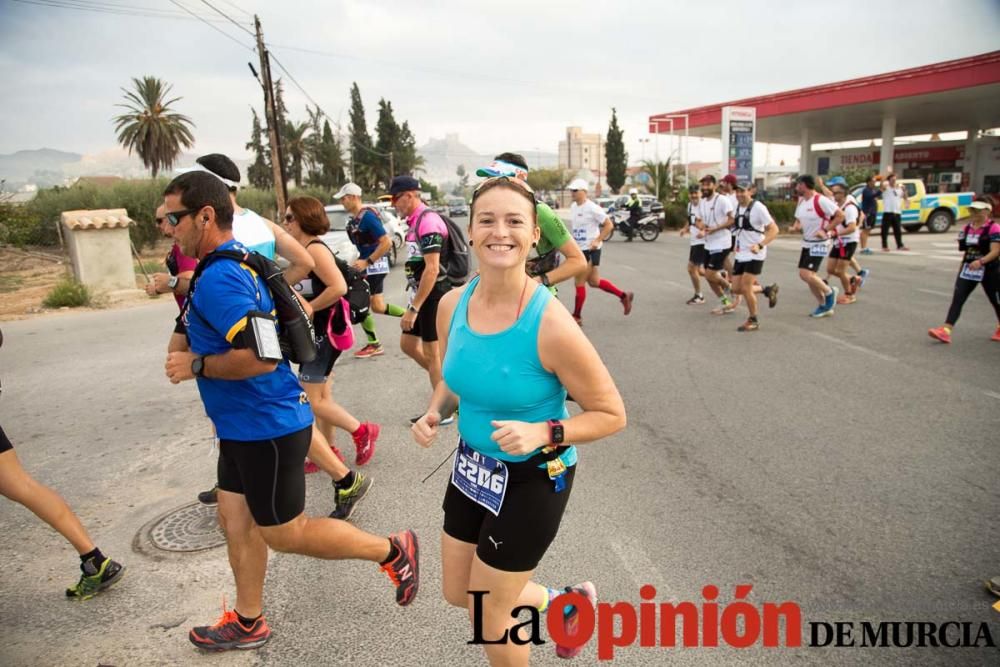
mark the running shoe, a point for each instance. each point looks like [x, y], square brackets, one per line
[863, 276]
[448, 421]
[571, 618]
[749, 325]
[821, 311]
[404, 569]
[627, 299]
[95, 579]
[867, 251]
[309, 467]
[229, 633]
[831, 298]
[365, 446]
[903, 248]
[942, 334]
[696, 300]
[885, 250]
[347, 499]
[210, 497]
[996, 335]
[370, 350]
[771, 292]
[845, 299]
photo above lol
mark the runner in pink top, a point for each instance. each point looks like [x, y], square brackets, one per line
[180, 268]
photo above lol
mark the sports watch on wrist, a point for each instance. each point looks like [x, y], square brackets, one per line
[198, 367]
[412, 308]
[556, 432]
[172, 282]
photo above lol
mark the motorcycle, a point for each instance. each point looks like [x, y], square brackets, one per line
[647, 227]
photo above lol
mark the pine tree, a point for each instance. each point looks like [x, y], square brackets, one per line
[331, 159]
[259, 173]
[405, 155]
[362, 160]
[617, 158]
[387, 132]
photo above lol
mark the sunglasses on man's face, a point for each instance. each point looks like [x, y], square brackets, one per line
[175, 217]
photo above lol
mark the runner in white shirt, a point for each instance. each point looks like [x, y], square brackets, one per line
[814, 215]
[697, 256]
[716, 219]
[727, 189]
[845, 238]
[755, 229]
[893, 201]
[590, 224]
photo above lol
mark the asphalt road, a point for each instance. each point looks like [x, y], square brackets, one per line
[846, 464]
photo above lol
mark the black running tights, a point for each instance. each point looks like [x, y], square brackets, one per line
[963, 288]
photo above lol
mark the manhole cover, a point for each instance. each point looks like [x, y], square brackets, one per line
[189, 528]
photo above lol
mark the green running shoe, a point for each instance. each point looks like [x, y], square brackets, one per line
[96, 579]
[347, 499]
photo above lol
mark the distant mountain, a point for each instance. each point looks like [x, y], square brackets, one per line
[443, 156]
[32, 166]
[47, 167]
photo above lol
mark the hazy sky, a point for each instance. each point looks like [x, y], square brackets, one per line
[502, 75]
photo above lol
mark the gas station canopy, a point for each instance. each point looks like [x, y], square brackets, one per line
[957, 95]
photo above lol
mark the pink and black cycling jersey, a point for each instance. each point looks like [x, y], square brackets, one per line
[975, 242]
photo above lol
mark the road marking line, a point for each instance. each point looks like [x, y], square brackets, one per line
[993, 394]
[933, 291]
[856, 348]
[943, 258]
[630, 268]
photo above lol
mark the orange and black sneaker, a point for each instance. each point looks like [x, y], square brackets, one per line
[229, 633]
[404, 569]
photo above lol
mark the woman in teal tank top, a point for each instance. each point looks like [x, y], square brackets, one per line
[511, 352]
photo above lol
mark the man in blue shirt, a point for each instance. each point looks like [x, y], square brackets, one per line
[869, 206]
[262, 418]
[368, 235]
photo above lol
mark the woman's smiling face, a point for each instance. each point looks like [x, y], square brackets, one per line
[503, 228]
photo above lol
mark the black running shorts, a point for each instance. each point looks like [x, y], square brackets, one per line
[869, 222]
[698, 255]
[716, 259]
[529, 518]
[753, 267]
[425, 326]
[318, 370]
[807, 261]
[593, 257]
[845, 252]
[5, 443]
[268, 473]
[376, 283]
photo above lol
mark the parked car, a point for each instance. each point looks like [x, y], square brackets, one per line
[395, 225]
[605, 202]
[937, 211]
[457, 208]
[336, 239]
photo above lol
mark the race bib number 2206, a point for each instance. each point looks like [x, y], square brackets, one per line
[480, 478]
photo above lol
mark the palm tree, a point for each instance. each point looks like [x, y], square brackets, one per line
[151, 128]
[296, 148]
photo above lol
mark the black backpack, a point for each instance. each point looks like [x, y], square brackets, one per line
[455, 254]
[359, 295]
[295, 329]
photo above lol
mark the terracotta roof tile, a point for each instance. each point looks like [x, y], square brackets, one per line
[99, 219]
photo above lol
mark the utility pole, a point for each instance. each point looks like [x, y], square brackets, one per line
[271, 114]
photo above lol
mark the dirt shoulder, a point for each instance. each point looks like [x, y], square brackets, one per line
[27, 276]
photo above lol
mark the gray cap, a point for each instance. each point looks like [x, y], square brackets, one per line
[348, 189]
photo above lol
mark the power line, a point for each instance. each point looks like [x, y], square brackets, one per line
[238, 8]
[114, 9]
[214, 27]
[230, 19]
[297, 84]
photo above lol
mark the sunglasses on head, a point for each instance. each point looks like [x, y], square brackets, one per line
[490, 182]
[175, 217]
